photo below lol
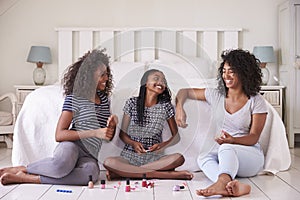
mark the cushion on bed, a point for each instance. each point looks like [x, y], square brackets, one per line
[6, 118]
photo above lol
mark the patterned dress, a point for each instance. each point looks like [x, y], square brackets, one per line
[149, 133]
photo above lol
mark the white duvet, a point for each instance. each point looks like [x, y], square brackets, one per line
[35, 129]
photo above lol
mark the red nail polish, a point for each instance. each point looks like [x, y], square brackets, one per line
[127, 187]
[144, 181]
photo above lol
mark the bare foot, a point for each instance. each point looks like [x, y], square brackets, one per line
[236, 188]
[112, 176]
[184, 175]
[20, 177]
[218, 188]
[12, 170]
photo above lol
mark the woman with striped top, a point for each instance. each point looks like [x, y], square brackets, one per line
[84, 122]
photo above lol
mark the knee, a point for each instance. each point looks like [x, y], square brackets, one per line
[179, 159]
[110, 162]
[226, 147]
[61, 168]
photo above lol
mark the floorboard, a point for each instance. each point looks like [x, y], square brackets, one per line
[275, 188]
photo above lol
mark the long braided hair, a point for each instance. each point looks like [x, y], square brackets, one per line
[162, 98]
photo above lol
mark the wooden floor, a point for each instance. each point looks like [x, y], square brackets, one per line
[285, 185]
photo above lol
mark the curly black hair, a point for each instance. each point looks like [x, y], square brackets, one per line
[79, 78]
[245, 66]
[162, 98]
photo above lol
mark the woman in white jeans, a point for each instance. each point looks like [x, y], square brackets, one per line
[244, 111]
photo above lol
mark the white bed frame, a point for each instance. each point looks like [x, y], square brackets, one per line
[132, 47]
[143, 44]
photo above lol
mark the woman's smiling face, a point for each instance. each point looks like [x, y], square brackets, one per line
[101, 77]
[156, 82]
[230, 77]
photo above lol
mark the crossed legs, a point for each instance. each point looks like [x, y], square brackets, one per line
[223, 166]
[119, 167]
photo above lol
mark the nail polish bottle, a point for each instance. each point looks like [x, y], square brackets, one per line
[178, 187]
[90, 184]
[102, 184]
[127, 187]
[144, 181]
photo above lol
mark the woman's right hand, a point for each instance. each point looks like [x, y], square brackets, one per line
[180, 117]
[138, 147]
[105, 133]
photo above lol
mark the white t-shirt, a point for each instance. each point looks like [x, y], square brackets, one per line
[238, 123]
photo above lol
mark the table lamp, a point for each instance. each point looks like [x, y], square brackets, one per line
[39, 55]
[266, 55]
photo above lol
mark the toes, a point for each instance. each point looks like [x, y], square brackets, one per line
[199, 192]
[202, 192]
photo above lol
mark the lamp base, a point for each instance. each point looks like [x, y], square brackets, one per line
[39, 76]
[265, 75]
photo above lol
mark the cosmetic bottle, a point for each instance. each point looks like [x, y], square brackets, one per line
[127, 187]
[102, 184]
[178, 187]
[90, 184]
[144, 181]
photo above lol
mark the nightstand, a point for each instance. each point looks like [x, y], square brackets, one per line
[274, 94]
[22, 91]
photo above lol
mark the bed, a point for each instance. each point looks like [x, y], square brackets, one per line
[188, 58]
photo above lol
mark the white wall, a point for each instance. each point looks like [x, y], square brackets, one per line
[24, 23]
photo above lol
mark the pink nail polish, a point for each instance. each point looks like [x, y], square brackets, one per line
[127, 187]
[102, 184]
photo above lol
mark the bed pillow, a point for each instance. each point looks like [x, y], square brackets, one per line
[6, 118]
[127, 73]
[189, 67]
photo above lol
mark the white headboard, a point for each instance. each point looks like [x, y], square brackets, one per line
[144, 44]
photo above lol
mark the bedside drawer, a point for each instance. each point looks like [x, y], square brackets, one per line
[273, 97]
[22, 91]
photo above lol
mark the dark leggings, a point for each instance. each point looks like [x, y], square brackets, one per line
[70, 165]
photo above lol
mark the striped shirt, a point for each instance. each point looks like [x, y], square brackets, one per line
[88, 115]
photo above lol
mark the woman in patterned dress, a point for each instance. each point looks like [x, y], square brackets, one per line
[141, 131]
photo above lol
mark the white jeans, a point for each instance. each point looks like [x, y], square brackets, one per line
[232, 159]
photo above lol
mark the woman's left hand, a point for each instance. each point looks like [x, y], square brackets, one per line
[155, 147]
[224, 138]
[112, 121]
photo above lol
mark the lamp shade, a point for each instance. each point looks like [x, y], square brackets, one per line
[39, 54]
[264, 53]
